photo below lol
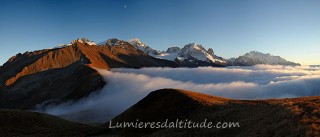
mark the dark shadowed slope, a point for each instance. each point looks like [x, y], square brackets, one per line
[281, 117]
[65, 73]
[23, 123]
[55, 75]
[265, 118]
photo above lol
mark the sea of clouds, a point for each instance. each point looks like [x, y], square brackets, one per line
[126, 86]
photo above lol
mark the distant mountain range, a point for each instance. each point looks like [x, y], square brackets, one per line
[255, 57]
[60, 73]
[191, 55]
[195, 55]
[68, 72]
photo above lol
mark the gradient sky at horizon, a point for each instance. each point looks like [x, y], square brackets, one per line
[289, 28]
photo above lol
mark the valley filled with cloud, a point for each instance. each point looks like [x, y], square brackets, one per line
[125, 87]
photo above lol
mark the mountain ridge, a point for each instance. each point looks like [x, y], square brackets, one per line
[255, 58]
[283, 117]
[65, 73]
[189, 59]
[193, 55]
[35, 77]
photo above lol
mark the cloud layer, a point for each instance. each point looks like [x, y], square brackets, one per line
[127, 86]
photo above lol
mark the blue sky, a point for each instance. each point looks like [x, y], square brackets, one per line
[289, 28]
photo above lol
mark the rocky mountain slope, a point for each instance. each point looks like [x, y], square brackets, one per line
[274, 117]
[254, 58]
[65, 73]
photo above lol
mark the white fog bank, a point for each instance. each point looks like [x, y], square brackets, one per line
[125, 87]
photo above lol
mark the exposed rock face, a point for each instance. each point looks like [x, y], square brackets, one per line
[65, 73]
[284, 117]
[173, 50]
[210, 51]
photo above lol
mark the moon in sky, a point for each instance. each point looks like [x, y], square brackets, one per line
[125, 6]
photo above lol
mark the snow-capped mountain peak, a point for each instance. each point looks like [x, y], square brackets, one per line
[112, 42]
[198, 52]
[81, 40]
[191, 53]
[137, 42]
[84, 40]
[255, 57]
[143, 47]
